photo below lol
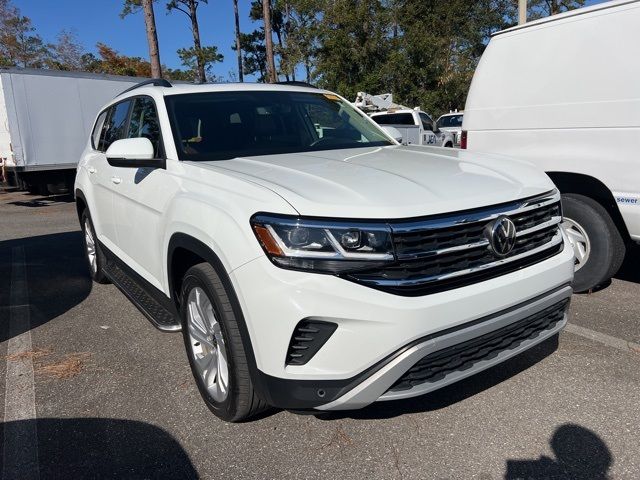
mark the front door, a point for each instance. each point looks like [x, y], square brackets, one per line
[140, 199]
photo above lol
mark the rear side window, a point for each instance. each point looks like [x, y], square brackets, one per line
[116, 125]
[144, 123]
[97, 130]
[394, 119]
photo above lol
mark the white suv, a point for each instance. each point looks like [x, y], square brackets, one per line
[310, 261]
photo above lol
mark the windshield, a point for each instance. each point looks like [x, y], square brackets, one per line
[224, 125]
[450, 121]
[394, 119]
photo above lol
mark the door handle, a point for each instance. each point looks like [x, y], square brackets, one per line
[116, 180]
[91, 170]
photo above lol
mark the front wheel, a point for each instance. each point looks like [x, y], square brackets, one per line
[93, 252]
[214, 346]
[597, 244]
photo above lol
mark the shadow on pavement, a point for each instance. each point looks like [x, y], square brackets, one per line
[453, 393]
[43, 201]
[101, 448]
[579, 454]
[57, 277]
[630, 270]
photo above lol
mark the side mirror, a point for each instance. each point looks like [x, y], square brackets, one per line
[435, 128]
[393, 132]
[133, 153]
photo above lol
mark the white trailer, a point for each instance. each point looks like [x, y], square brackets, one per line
[45, 118]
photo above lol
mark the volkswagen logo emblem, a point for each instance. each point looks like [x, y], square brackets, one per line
[502, 236]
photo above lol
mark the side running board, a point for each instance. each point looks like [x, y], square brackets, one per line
[153, 304]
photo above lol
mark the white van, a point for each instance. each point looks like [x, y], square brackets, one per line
[564, 93]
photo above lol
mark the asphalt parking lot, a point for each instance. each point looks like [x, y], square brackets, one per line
[113, 397]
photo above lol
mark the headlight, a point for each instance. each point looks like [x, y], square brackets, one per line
[323, 246]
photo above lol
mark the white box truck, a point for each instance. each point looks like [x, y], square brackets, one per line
[45, 117]
[563, 93]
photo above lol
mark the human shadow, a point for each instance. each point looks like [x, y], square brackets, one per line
[94, 448]
[579, 454]
[454, 393]
[57, 278]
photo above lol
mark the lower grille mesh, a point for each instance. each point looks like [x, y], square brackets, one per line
[438, 365]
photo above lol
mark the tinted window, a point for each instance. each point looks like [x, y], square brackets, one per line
[450, 121]
[116, 125]
[223, 125]
[394, 119]
[97, 130]
[427, 123]
[144, 122]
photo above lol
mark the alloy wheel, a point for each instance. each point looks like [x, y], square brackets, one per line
[207, 344]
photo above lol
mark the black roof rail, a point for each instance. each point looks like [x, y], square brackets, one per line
[158, 82]
[295, 83]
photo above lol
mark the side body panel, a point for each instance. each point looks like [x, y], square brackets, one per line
[564, 95]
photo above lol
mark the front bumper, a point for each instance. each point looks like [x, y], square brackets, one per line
[380, 335]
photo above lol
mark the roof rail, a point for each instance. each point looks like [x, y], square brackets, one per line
[295, 83]
[158, 82]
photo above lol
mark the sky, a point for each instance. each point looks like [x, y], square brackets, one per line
[96, 21]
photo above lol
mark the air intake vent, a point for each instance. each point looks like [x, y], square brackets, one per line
[308, 337]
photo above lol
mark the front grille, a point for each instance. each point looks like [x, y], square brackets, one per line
[440, 253]
[465, 355]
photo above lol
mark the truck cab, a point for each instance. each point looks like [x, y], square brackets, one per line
[416, 126]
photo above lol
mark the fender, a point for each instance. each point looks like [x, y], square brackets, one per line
[187, 242]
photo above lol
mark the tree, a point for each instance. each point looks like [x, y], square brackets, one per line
[134, 6]
[272, 76]
[302, 20]
[111, 62]
[200, 60]
[66, 53]
[255, 54]
[19, 45]
[544, 8]
[238, 48]
[195, 57]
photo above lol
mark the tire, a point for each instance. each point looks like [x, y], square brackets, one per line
[96, 267]
[237, 400]
[605, 248]
[449, 145]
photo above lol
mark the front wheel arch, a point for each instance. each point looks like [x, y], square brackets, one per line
[182, 251]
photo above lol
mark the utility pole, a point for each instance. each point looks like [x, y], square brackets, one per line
[522, 12]
[268, 40]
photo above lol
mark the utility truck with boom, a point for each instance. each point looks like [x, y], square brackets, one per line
[415, 126]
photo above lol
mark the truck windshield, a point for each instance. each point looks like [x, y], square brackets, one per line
[225, 125]
[394, 119]
[450, 121]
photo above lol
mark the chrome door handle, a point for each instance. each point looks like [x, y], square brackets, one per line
[116, 180]
[92, 170]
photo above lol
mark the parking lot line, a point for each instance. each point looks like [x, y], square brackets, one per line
[20, 433]
[603, 338]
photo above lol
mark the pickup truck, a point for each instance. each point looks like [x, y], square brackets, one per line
[311, 262]
[416, 127]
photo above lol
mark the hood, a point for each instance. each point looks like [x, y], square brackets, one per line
[388, 182]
